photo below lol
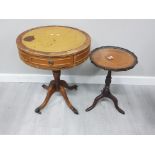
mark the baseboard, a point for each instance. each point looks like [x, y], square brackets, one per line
[98, 79]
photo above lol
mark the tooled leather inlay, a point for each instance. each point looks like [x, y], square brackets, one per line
[54, 39]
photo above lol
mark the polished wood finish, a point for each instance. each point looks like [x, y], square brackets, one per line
[106, 93]
[57, 85]
[54, 63]
[50, 47]
[111, 58]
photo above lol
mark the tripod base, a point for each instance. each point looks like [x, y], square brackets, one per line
[57, 85]
[106, 93]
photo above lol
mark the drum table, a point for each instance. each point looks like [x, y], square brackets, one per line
[112, 59]
[54, 48]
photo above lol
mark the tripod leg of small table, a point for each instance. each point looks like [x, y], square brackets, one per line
[95, 102]
[63, 92]
[65, 84]
[51, 90]
[114, 99]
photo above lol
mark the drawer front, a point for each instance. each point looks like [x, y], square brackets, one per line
[82, 56]
[47, 62]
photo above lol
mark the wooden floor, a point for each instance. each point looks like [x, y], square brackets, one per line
[18, 101]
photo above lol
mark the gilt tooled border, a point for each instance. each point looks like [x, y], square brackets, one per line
[85, 45]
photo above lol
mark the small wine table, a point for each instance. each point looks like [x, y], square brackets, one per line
[54, 48]
[111, 58]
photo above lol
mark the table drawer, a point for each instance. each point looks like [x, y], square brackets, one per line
[80, 57]
[46, 62]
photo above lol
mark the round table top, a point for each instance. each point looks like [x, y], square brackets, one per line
[113, 58]
[53, 40]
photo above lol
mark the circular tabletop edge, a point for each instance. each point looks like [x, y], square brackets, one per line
[112, 69]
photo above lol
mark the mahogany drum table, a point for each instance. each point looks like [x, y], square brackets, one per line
[54, 48]
[112, 59]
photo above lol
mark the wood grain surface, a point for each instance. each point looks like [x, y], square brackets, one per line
[113, 58]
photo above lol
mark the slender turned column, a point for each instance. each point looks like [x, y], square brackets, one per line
[108, 81]
[108, 78]
[56, 75]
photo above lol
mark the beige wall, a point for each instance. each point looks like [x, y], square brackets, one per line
[135, 35]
